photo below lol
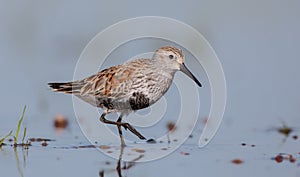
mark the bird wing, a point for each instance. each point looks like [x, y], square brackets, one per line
[114, 82]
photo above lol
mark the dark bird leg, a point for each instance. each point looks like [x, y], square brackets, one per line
[121, 124]
[129, 127]
[119, 167]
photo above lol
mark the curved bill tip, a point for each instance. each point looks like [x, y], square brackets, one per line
[186, 71]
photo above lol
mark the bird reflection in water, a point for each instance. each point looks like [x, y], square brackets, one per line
[121, 166]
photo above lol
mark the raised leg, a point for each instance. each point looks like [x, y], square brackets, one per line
[120, 124]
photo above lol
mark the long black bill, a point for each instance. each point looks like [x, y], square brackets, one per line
[186, 71]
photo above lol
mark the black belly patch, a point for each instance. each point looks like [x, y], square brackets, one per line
[138, 101]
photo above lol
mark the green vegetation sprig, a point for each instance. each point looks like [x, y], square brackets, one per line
[4, 138]
[19, 127]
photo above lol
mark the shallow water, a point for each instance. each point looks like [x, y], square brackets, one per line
[70, 155]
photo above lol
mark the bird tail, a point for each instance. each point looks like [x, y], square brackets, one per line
[67, 87]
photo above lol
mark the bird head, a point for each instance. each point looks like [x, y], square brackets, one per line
[173, 59]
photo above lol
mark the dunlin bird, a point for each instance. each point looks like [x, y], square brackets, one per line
[130, 86]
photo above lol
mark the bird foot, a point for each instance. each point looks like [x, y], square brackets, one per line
[133, 130]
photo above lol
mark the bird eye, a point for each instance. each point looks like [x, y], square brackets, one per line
[171, 56]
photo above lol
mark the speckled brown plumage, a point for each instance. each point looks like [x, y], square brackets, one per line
[130, 86]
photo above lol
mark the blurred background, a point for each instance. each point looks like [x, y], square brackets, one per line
[257, 43]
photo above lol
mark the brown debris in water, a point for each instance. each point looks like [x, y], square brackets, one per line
[237, 161]
[285, 130]
[138, 150]
[171, 126]
[284, 157]
[60, 122]
[293, 160]
[295, 137]
[86, 146]
[39, 139]
[44, 143]
[278, 158]
[184, 153]
[104, 147]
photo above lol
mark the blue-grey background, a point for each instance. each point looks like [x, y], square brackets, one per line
[257, 43]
